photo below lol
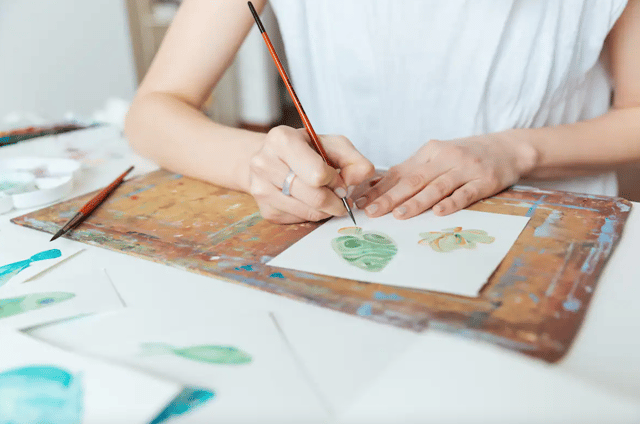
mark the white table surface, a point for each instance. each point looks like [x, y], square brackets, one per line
[369, 372]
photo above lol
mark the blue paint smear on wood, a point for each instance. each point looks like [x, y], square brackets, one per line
[364, 310]
[245, 267]
[277, 275]
[383, 296]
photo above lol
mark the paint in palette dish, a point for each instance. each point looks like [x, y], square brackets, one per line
[40, 394]
[368, 250]
[35, 181]
[209, 354]
[30, 302]
[17, 182]
[11, 270]
[189, 399]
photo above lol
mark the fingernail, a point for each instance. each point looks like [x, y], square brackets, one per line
[401, 210]
[361, 202]
[340, 192]
[372, 208]
[438, 209]
[350, 190]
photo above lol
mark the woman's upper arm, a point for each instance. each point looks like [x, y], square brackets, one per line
[623, 44]
[198, 47]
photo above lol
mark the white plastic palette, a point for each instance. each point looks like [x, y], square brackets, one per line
[26, 182]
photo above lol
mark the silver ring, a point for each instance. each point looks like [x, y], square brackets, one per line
[286, 186]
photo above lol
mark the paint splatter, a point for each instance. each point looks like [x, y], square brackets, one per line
[571, 305]
[451, 239]
[210, 354]
[370, 251]
[245, 268]
[277, 275]
[40, 394]
[383, 296]
[364, 310]
[189, 399]
[30, 302]
[9, 271]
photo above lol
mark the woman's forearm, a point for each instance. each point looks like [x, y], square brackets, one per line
[180, 138]
[595, 145]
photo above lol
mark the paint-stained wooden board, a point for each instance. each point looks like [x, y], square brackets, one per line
[533, 303]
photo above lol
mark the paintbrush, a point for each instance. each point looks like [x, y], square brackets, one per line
[91, 205]
[296, 102]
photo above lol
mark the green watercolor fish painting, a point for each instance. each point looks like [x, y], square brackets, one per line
[451, 239]
[209, 354]
[368, 250]
[30, 302]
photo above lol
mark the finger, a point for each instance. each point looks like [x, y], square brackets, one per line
[279, 217]
[389, 179]
[295, 151]
[406, 187]
[294, 206]
[272, 169]
[354, 167]
[434, 192]
[460, 199]
[320, 198]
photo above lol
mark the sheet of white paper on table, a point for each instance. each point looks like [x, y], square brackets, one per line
[415, 265]
[109, 393]
[269, 389]
[44, 302]
[446, 379]
[24, 262]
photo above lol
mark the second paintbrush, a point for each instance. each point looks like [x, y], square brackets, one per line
[91, 205]
[296, 102]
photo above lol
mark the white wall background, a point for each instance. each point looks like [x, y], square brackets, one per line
[59, 56]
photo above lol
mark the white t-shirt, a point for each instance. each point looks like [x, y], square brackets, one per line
[392, 74]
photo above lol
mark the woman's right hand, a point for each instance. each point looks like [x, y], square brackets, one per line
[317, 188]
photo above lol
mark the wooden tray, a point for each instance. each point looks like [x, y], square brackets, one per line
[533, 303]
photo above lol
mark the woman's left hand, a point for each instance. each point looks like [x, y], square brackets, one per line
[450, 175]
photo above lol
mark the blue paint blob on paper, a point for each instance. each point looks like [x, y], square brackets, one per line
[244, 267]
[9, 271]
[364, 310]
[383, 296]
[189, 399]
[277, 275]
[40, 394]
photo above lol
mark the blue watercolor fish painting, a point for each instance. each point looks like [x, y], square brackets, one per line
[9, 271]
[210, 354]
[42, 394]
[189, 399]
[29, 302]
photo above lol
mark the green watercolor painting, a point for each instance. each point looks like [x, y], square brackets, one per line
[368, 250]
[209, 354]
[451, 239]
[30, 302]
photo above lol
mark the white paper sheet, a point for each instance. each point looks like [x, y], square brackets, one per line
[24, 262]
[446, 379]
[461, 271]
[66, 386]
[270, 388]
[40, 302]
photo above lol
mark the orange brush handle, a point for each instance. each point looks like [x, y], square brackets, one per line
[98, 198]
[296, 102]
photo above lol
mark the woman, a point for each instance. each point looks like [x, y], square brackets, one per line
[459, 99]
